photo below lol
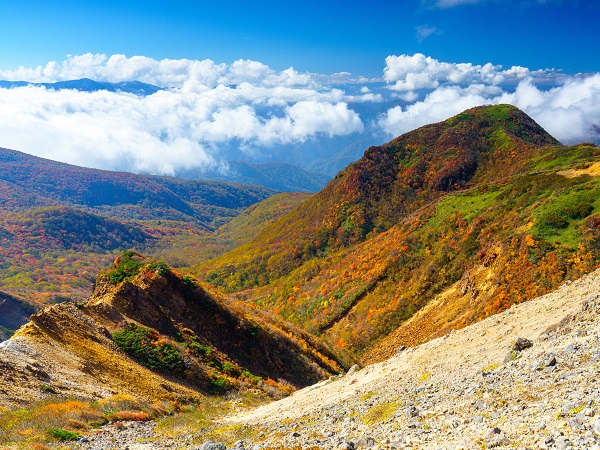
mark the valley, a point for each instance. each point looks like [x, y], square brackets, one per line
[61, 224]
[414, 271]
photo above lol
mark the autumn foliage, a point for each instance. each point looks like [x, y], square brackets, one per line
[485, 189]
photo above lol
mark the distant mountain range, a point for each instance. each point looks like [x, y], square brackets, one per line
[280, 176]
[60, 223]
[87, 85]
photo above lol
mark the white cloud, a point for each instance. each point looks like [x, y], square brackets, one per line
[439, 105]
[424, 31]
[570, 112]
[100, 129]
[210, 105]
[164, 73]
[409, 73]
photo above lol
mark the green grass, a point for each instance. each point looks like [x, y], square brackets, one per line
[469, 205]
[557, 217]
[563, 157]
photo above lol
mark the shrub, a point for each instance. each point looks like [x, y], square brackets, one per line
[189, 280]
[63, 435]
[160, 267]
[148, 348]
[47, 389]
[200, 349]
[218, 384]
[580, 210]
[230, 369]
[555, 221]
[250, 376]
[126, 267]
[141, 416]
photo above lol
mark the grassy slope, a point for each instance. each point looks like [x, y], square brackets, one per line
[184, 249]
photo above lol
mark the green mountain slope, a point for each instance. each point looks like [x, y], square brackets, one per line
[390, 182]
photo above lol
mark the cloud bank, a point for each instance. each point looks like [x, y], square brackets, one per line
[207, 107]
[412, 72]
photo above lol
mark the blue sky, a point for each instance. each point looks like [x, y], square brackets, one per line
[316, 36]
[276, 81]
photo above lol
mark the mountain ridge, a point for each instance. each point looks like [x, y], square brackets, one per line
[283, 177]
[88, 85]
[60, 223]
[193, 343]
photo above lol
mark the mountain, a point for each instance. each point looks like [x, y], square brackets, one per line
[524, 378]
[14, 312]
[280, 176]
[61, 223]
[439, 228]
[250, 222]
[330, 166]
[151, 334]
[87, 85]
[31, 181]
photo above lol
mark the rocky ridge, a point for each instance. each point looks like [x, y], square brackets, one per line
[525, 378]
[214, 345]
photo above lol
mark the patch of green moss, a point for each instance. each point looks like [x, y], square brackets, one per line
[380, 413]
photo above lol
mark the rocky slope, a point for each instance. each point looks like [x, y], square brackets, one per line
[148, 333]
[525, 378]
[474, 388]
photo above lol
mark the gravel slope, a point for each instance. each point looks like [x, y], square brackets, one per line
[466, 389]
